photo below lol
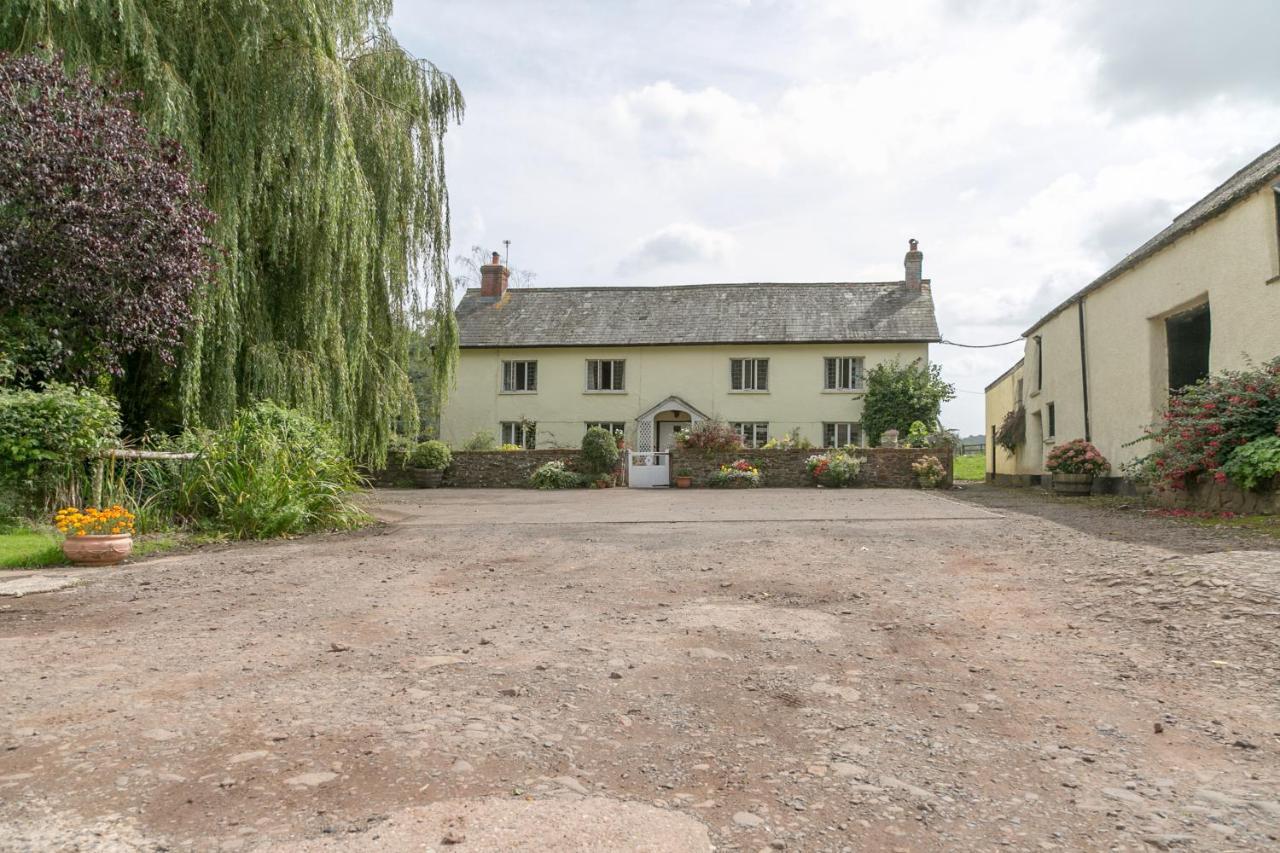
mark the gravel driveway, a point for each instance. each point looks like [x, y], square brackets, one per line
[804, 670]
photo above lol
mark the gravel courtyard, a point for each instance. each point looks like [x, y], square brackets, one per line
[662, 671]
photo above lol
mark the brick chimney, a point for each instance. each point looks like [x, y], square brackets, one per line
[493, 278]
[914, 263]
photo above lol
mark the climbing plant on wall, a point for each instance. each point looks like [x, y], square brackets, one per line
[320, 142]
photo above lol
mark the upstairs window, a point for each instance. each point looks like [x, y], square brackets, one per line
[842, 374]
[520, 433]
[840, 434]
[519, 377]
[606, 374]
[753, 434]
[749, 374]
[1187, 335]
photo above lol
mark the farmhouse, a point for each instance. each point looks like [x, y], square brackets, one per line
[1201, 296]
[540, 365]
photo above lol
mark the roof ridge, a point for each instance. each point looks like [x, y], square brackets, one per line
[648, 287]
[1196, 214]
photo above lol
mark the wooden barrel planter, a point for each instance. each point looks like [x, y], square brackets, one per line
[1072, 484]
[427, 478]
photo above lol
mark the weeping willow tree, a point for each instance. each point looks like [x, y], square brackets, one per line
[320, 143]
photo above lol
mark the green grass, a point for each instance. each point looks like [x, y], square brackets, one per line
[25, 549]
[971, 467]
[31, 549]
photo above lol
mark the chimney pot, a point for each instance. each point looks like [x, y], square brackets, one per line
[493, 278]
[914, 265]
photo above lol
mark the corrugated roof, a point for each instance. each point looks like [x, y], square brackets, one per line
[698, 314]
[1243, 183]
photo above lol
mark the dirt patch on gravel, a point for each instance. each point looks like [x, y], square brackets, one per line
[900, 671]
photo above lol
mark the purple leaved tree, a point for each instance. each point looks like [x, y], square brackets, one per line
[103, 239]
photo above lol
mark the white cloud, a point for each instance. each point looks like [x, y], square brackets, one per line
[821, 134]
[678, 243]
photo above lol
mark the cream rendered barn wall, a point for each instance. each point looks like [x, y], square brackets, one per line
[698, 374]
[1232, 260]
[1001, 396]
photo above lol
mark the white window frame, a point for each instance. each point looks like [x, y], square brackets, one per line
[614, 427]
[520, 372]
[752, 433]
[847, 372]
[851, 430]
[522, 433]
[617, 375]
[749, 373]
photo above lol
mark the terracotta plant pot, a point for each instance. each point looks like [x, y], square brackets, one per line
[427, 478]
[1072, 484]
[684, 482]
[97, 550]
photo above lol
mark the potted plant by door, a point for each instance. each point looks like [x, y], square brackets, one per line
[95, 537]
[427, 462]
[1074, 464]
[684, 478]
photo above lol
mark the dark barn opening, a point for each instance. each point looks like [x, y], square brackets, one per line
[1188, 337]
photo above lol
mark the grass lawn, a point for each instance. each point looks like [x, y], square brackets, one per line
[25, 549]
[31, 549]
[971, 467]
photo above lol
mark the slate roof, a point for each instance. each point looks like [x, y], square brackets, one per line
[1243, 183]
[850, 312]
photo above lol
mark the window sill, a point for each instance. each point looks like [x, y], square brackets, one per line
[589, 391]
[749, 392]
[516, 393]
[1035, 393]
[843, 390]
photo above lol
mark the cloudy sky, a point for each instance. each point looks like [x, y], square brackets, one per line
[1027, 145]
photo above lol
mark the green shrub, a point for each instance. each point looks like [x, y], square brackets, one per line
[45, 439]
[431, 454]
[1254, 464]
[482, 440]
[835, 468]
[917, 435]
[599, 451]
[900, 394]
[556, 475]
[272, 472]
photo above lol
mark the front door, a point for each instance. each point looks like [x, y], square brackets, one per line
[667, 432]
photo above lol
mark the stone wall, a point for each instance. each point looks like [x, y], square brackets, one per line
[501, 469]
[883, 466]
[1204, 494]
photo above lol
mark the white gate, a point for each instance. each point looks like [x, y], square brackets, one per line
[648, 470]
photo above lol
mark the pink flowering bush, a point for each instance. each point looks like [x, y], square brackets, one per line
[1205, 422]
[1077, 457]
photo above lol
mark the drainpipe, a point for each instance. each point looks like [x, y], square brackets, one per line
[1084, 371]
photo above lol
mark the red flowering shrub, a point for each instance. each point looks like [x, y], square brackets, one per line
[1077, 457]
[1206, 421]
[710, 435]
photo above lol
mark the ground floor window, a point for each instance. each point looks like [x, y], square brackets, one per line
[752, 433]
[614, 427]
[1188, 336]
[840, 434]
[520, 433]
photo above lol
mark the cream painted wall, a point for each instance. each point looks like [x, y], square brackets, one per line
[1000, 400]
[1232, 260]
[698, 374]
